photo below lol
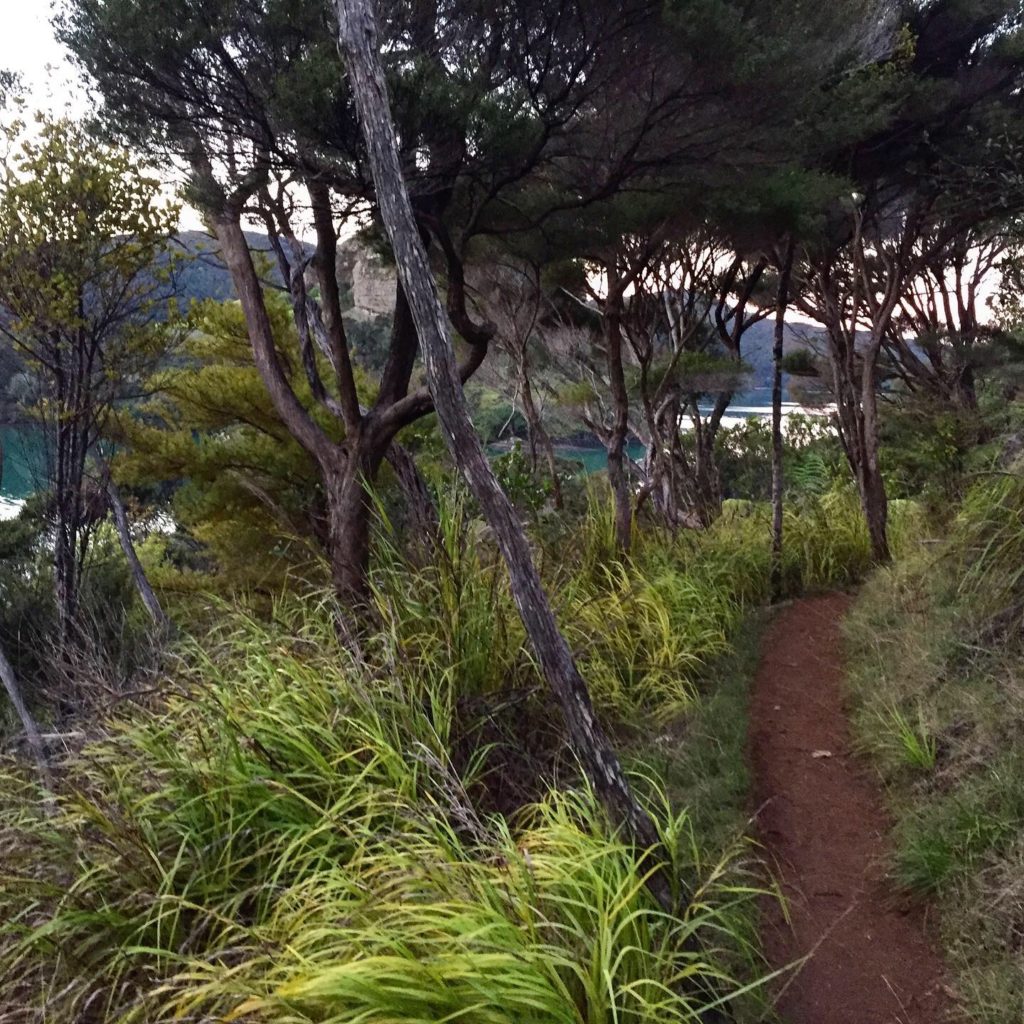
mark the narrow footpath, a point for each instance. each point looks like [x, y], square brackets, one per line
[823, 825]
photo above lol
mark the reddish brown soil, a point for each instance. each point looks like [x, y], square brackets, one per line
[823, 826]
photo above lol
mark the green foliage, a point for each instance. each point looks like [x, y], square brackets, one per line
[455, 612]
[297, 831]
[493, 415]
[82, 228]
[647, 626]
[527, 491]
[925, 447]
[988, 538]
[701, 753]
[114, 643]
[696, 372]
[242, 487]
[811, 473]
[743, 453]
[578, 394]
[27, 611]
[286, 838]
[801, 362]
[72, 212]
[85, 305]
[917, 747]
[812, 459]
[370, 340]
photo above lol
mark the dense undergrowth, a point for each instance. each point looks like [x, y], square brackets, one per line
[937, 647]
[294, 831]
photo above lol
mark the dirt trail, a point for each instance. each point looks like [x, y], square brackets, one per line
[823, 825]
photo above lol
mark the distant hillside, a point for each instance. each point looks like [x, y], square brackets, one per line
[200, 274]
[758, 342]
[205, 277]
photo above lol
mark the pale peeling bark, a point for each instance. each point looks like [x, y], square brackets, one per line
[35, 741]
[358, 40]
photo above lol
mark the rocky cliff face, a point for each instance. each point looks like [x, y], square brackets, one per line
[373, 287]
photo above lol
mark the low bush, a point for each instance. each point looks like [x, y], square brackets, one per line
[114, 643]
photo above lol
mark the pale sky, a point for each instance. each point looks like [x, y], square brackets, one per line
[28, 47]
[50, 82]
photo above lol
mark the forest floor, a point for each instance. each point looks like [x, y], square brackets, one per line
[823, 824]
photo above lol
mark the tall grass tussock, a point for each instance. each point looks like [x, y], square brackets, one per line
[286, 839]
[294, 832]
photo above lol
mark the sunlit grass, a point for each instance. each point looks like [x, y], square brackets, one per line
[294, 831]
[917, 747]
[287, 840]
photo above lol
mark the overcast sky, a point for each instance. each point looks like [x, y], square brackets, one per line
[50, 82]
[28, 47]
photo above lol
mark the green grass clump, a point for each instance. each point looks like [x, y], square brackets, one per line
[915, 744]
[938, 678]
[989, 540]
[286, 839]
[647, 626]
[297, 830]
[454, 614]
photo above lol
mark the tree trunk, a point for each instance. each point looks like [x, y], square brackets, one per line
[618, 475]
[778, 345]
[142, 585]
[65, 587]
[871, 485]
[343, 471]
[709, 438]
[707, 485]
[876, 513]
[358, 40]
[539, 437]
[67, 498]
[350, 515]
[347, 470]
[35, 741]
[966, 391]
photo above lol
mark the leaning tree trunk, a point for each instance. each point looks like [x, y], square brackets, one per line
[35, 741]
[778, 346]
[358, 40]
[139, 577]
